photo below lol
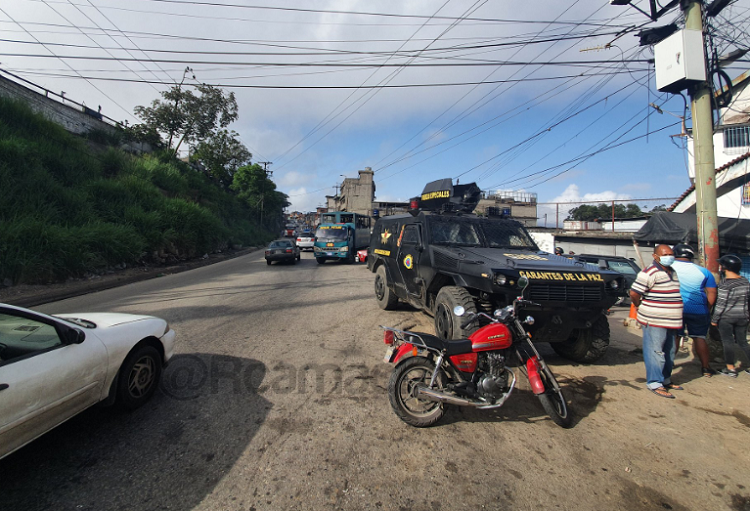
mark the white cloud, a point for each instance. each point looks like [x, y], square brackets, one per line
[303, 201]
[558, 208]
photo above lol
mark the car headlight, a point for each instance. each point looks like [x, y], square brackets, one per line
[500, 279]
[344, 249]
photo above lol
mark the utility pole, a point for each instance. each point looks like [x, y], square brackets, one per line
[703, 149]
[268, 173]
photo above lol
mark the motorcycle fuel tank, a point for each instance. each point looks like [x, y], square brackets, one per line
[495, 336]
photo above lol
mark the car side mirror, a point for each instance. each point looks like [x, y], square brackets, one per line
[74, 336]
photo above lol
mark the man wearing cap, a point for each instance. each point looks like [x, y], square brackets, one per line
[656, 293]
[558, 251]
[698, 290]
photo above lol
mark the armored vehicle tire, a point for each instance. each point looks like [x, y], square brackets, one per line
[447, 324]
[586, 346]
[385, 296]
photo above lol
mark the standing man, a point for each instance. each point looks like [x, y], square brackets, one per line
[698, 289]
[731, 312]
[656, 293]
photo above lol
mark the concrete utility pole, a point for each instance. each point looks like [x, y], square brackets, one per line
[703, 149]
[268, 173]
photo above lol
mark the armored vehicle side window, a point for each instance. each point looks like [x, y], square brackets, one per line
[411, 235]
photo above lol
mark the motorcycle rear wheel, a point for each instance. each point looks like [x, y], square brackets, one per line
[402, 387]
[554, 403]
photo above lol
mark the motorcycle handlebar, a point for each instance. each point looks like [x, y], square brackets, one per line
[468, 322]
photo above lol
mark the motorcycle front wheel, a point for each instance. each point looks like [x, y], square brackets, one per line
[554, 403]
[402, 392]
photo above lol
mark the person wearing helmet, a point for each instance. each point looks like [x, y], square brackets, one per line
[656, 294]
[558, 251]
[731, 312]
[698, 290]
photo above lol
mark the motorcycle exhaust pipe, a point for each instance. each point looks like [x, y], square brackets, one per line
[441, 397]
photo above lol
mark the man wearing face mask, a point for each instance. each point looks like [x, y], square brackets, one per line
[656, 294]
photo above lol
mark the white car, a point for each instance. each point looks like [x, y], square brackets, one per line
[305, 241]
[53, 367]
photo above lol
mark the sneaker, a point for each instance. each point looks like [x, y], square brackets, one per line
[728, 372]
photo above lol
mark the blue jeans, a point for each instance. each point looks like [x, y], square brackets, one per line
[658, 354]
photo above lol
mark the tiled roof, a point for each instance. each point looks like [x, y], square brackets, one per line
[718, 171]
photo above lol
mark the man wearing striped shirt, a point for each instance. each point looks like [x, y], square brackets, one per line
[656, 293]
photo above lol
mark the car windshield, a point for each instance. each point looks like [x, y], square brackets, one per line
[622, 267]
[280, 244]
[331, 233]
[477, 233]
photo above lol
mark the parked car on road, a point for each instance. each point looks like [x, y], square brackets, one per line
[282, 251]
[54, 367]
[626, 267]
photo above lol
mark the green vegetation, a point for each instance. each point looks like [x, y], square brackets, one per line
[589, 213]
[67, 209]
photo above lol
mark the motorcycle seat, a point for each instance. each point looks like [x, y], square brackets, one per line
[454, 347]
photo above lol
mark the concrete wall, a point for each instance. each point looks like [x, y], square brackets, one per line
[72, 118]
[357, 193]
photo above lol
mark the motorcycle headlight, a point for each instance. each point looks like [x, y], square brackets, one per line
[500, 279]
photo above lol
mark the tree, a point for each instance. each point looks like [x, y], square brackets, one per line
[660, 207]
[222, 154]
[589, 213]
[184, 116]
[254, 187]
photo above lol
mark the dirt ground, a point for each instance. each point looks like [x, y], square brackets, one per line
[230, 442]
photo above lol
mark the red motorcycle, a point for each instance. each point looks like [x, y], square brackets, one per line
[471, 372]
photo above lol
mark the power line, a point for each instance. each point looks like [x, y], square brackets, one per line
[332, 87]
[68, 65]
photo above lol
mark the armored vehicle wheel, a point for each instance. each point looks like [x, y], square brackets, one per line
[447, 324]
[386, 298]
[586, 346]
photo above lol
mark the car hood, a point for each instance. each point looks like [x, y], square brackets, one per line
[498, 258]
[105, 319]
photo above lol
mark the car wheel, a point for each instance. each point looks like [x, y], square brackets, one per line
[299, 256]
[447, 324]
[139, 377]
[385, 296]
[294, 260]
[586, 345]
[320, 260]
[268, 262]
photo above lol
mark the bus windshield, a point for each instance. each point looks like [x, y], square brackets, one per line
[331, 233]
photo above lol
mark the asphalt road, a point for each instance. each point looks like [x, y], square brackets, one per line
[276, 400]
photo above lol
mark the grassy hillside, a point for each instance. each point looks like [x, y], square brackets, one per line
[67, 208]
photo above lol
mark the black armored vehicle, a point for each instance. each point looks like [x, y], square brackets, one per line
[441, 255]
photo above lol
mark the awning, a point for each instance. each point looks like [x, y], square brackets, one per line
[672, 228]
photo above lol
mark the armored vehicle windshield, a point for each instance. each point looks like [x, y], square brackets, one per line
[479, 232]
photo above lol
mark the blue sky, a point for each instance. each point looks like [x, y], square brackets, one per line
[531, 133]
